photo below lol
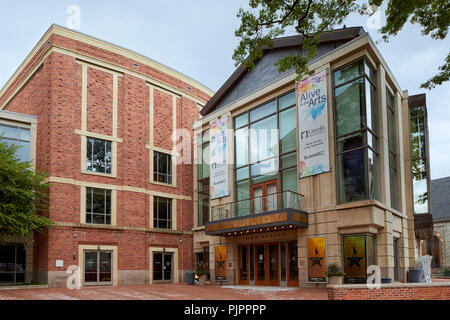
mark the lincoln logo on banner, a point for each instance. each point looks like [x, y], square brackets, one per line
[313, 125]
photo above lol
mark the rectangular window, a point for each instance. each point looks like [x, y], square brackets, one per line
[419, 160]
[393, 158]
[12, 263]
[98, 206]
[162, 167]
[203, 179]
[20, 137]
[162, 213]
[99, 155]
[356, 110]
[266, 148]
[359, 253]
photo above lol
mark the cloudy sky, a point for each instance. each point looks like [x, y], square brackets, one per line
[196, 37]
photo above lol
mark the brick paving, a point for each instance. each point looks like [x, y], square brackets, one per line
[164, 292]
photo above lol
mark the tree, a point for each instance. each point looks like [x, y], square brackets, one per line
[23, 194]
[268, 19]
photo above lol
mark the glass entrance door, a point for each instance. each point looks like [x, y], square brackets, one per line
[97, 267]
[260, 262]
[12, 264]
[273, 262]
[243, 265]
[162, 267]
[264, 197]
[292, 264]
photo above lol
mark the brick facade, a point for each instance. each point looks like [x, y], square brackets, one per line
[54, 93]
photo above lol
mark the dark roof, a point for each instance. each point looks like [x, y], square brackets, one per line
[440, 199]
[338, 35]
[417, 100]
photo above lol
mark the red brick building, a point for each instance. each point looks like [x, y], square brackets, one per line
[105, 118]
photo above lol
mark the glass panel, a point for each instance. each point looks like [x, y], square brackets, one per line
[89, 155]
[392, 132]
[287, 101]
[105, 269]
[205, 136]
[420, 190]
[252, 262]
[293, 266]
[260, 263]
[350, 142]
[205, 163]
[369, 72]
[108, 157]
[348, 73]
[265, 110]
[242, 173]
[289, 178]
[370, 250]
[273, 262]
[257, 199]
[241, 120]
[283, 260]
[351, 176]
[98, 156]
[350, 107]
[167, 267]
[90, 266]
[243, 193]
[417, 111]
[271, 198]
[243, 268]
[289, 160]
[24, 151]
[157, 266]
[24, 134]
[372, 107]
[372, 159]
[108, 202]
[7, 258]
[264, 139]
[288, 132]
[98, 201]
[241, 147]
[418, 138]
[203, 211]
[265, 167]
[9, 132]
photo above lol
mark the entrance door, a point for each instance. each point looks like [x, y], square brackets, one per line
[273, 264]
[265, 197]
[162, 267]
[292, 264]
[396, 273]
[243, 252]
[12, 264]
[97, 268]
[260, 262]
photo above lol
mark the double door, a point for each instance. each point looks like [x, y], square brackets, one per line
[162, 267]
[264, 197]
[268, 264]
[97, 267]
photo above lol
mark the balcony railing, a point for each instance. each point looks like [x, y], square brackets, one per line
[271, 202]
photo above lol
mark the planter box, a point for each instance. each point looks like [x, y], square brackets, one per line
[335, 280]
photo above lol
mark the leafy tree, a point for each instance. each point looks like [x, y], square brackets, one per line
[268, 19]
[23, 194]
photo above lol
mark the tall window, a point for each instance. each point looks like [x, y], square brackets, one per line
[19, 137]
[359, 253]
[356, 132]
[162, 213]
[98, 206]
[419, 159]
[266, 149]
[162, 167]
[393, 159]
[98, 155]
[203, 179]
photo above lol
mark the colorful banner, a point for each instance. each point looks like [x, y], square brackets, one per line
[221, 263]
[317, 259]
[313, 125]
[218, 159]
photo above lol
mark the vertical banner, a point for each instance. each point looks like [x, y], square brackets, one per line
[317, 259]
[221, 263]
[313, 125]
[218, 159]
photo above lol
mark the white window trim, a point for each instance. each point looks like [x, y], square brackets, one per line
[174, 213]
[83, 190]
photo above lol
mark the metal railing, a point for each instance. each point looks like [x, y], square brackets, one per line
[271, 202]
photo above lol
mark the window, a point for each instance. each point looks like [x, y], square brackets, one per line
[12, 263]
[98, 156]
[98, 267]
[266, 148]
[393, 158]
[203, 179]
[356, 110]
[20, 137]
[162, 167]
[359, 253]
[419, 159]
[98, 206]
[162, 213]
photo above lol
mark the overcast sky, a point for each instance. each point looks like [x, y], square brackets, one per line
[196, 37]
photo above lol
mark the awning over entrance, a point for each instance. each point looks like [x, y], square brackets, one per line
[284, 219]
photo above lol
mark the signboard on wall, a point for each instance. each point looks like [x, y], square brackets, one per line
[313, 125]
[317, 259]
[221, 263]
[218, 159]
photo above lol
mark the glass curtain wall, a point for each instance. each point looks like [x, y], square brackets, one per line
[203, 178]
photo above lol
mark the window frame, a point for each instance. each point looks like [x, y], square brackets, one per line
[104, 162]
[393, 151]
[156, 175]
[17, 142]
[105, 214]
[203, 181]
[170, 207]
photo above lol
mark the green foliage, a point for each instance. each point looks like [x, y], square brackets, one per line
[447, 272]
[269, 19]
[23, 194]
[202, 268]
[334, 270]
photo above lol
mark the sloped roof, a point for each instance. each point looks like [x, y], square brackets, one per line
[440, 199]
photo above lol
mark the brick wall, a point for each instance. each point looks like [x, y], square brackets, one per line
[404, 291]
